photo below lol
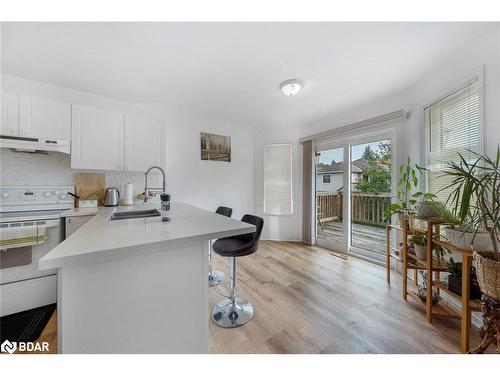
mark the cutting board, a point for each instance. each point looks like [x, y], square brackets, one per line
[87, 184]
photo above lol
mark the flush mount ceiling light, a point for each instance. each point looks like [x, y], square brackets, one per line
[291, 87]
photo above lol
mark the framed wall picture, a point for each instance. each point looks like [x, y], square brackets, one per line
[215, 147]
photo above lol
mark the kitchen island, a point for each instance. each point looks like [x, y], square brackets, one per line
[137, 285]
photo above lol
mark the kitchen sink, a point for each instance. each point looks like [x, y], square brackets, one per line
[135, 214]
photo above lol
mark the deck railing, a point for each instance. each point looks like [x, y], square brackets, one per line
[365, 207]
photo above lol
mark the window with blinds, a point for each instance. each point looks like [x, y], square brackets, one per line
[453, 128]
[278, 179]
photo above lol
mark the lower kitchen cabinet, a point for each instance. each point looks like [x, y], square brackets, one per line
[73, 223]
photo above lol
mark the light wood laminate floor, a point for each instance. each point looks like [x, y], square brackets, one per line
[308, 301]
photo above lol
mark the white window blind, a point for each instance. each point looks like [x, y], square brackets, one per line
[453, 126]
[278, 179]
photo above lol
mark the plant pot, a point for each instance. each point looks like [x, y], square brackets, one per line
[488, 273]
[455, 285]
[427, 209]
[402, 216]
[420, 252]
[464, 240]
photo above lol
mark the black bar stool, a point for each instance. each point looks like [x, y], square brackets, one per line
[234, 311]
[215, 277]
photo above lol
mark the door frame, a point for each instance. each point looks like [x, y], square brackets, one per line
[392, 129]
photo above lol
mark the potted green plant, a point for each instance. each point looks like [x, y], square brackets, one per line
[460, 235]
[420, 246]
[408, 181]
[475, 198]
[426, 207]
[455, 279]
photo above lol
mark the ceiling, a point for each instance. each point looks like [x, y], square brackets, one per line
[232, 71]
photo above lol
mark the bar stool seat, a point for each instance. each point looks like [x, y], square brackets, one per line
[237, 246]
[234, 311]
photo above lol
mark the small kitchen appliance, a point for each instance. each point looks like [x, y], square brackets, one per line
[111, 197]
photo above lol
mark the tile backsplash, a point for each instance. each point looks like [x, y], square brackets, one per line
[54, 168]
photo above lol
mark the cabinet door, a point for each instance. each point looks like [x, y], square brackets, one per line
[97, 139]
[143, 143]
[74, 223]
[44, 118]
[9, 124]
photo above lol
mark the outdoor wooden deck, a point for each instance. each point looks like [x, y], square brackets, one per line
[366, 237]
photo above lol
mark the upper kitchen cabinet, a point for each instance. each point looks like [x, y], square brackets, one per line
[44, 118]
[9, 124]
[143, 143]
[97, 139]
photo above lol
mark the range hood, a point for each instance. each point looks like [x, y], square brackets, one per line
[25, 144]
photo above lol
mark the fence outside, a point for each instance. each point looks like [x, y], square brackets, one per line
[366, 208]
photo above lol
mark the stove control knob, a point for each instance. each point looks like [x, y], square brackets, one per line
[5, 195]
[57, 192]
[63, 197]
[47, 194]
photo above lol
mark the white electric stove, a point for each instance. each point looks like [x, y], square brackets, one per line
[24, 211]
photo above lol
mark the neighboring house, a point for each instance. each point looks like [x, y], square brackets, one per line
[330, 178]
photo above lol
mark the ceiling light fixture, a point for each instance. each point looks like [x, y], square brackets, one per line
[291, 87]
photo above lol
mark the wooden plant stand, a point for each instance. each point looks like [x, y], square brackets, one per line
[433, 266]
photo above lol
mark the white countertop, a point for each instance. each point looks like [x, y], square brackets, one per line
[104, 239]
[81, 211]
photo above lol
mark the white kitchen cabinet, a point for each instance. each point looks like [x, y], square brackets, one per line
[9, 124]
[73, 223]
[44, 118]
[143, 143]
[97, 139]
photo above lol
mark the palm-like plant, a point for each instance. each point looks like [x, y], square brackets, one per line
[475, 195]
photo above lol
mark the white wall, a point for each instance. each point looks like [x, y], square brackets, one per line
[451, 72]
[206, 184]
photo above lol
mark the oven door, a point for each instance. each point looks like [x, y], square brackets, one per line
[22, 285]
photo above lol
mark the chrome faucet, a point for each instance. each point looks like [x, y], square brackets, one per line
[148, 192]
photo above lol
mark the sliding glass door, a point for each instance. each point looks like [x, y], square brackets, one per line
[330, 197]
[354, 181]
[371, 183]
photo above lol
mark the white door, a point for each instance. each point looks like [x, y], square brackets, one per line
[97, 139]
[9, 124]
[143, 143]
[44, 118]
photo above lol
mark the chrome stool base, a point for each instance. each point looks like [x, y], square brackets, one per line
[229, 315]
[215, 277]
